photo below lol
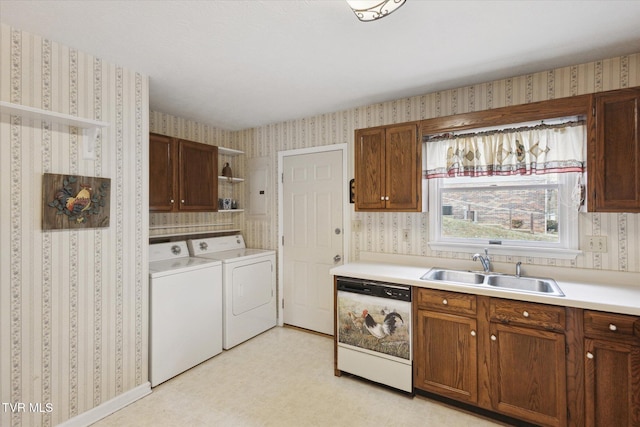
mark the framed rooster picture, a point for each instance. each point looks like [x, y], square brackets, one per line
[75, 202]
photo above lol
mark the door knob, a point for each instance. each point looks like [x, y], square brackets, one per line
[337, 258]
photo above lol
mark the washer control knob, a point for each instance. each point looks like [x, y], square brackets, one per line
[175, 249]
[203, 246]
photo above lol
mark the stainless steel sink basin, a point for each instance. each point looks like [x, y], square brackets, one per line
[504, 281]
[526, 284]
[457, 276]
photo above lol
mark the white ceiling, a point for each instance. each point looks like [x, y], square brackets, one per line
[241, 64]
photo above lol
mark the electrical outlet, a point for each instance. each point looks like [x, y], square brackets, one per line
[405, 234]
[356, 224]
[595, 244]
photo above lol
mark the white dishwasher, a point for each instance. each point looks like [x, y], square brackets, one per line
[185, 310]
[374, 331]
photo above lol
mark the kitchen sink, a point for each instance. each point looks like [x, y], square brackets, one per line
[526, 284]
[504, 281]
[457, 276]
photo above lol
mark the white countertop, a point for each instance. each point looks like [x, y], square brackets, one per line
[617, 293]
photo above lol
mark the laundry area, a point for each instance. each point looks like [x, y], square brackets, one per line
[206, 295]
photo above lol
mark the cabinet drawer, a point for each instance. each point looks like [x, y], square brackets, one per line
[611, 326]
[529, 314]
[448, 302]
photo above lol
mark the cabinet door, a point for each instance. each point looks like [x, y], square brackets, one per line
[370, 169]
[615, 158]
[612, 384]
[162, 173]
[403, 161]
[528, 374]
[198, 174]
[446, 355]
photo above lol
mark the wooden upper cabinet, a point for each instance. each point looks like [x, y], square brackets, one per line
[388, 171]
[370, 169]
[614, 152]
[162, 173]
[198, 176]
[183, 175]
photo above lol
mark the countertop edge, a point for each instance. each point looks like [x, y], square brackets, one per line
[609, 298]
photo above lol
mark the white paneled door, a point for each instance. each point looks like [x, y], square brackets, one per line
[313, 237]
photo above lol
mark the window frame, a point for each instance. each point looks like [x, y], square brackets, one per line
[579, 105]
[568, 234]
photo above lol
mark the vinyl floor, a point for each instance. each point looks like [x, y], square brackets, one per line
[283, 377]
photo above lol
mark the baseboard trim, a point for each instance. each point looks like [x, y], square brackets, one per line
[109, 407]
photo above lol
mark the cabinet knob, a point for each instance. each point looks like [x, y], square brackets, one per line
[612, 327]
[493, 337]
[445, 302]
[386, 197]
[473, 333]
[589, 355]
[172, 200]
[381, 197]
[181, 201]
[525, 313]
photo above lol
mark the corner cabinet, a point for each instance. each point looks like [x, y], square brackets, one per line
[612, 369]
[182, 175]
[388, 163]
[614, 152]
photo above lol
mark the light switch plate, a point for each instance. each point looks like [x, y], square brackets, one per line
[595, 244]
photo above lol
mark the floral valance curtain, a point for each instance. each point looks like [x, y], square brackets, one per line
[522, 151]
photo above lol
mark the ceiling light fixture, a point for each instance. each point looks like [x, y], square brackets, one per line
[371, 10]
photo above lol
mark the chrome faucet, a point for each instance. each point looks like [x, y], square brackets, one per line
[518, 268]
[484, 260]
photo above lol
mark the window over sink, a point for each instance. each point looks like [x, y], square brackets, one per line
[516, 191]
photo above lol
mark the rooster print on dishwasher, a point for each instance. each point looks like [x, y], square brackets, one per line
[380, 327]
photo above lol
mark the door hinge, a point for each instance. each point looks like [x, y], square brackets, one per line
[282, 177]
[283, 304]
[593, 110]
[283, 240]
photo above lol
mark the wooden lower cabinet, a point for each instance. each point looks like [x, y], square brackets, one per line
[447, 361]
[528, 374]
[501, 355]
[612, 369]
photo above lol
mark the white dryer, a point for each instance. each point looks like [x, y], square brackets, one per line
[248, 286]
[185, 308]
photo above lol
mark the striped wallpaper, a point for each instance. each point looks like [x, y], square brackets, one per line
[73, 304]
[382, 232]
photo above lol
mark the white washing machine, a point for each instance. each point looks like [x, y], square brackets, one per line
[248, 286]
[185, 310]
